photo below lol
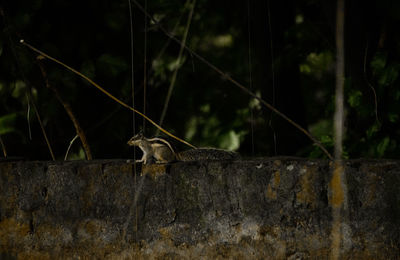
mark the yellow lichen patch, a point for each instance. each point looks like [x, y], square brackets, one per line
[88, 194]
[117, 169]
[373, 181]
[7, 167]
[166, 236]
[93, 227]
[34, 255]
[154, 170]
[12, 230]
[270, 193]
[277, 179]
[238, 228]
[47, 234]
[277, 163]
[336, 186]
[307, 193]
[273, 185]
[165, 233]
[92, 231]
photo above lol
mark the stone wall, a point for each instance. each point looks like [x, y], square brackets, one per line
[269, 208]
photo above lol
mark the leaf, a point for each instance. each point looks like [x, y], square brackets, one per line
[322, 128]
[19, 89]
[388, 76]
[191, 128]
[382, 146]
[393, 117]
[327, 140]
[354, 98]
[112, 64]
[373, 129]
[316, 64]
[378, 62]
[397, 95]
[7, 123]
[230, 140]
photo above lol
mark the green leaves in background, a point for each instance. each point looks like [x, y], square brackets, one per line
[384, 72]
[8, 123]
[112, 65]
[318, 64]
[382, 146]
[354, 98]
[295, 57]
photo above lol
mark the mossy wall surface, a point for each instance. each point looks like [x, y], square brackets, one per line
[269, 208]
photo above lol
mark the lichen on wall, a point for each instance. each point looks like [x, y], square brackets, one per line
[276, 208]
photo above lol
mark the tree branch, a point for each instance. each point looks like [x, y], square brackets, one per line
[68, 109]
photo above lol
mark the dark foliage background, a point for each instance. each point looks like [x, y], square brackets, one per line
[288, 46]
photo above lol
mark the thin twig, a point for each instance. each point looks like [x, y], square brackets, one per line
[68, 109]
[237, 84]
[145, 67]
[271, 47]
[28, 118]
[250, 76]
[3, 147]
[165, 46]
[69, 147]
[29, 93]
[370, 85]
[133, 125]
[105, 92]
[132, 69]
[41, 125]
[178, 61]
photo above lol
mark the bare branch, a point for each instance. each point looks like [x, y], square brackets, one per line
[105, 92]
[3, 147]
[178, 61]
[68, 109]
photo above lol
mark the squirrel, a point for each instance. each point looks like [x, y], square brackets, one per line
[160, 151]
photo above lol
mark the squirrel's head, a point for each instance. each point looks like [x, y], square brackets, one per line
[134, 141]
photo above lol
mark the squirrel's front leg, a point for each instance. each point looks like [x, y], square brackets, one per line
[139, 161]
[145, 157]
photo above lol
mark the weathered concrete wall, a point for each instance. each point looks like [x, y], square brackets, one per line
[275, 208]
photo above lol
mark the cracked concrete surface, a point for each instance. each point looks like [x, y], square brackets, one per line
[275, 208]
